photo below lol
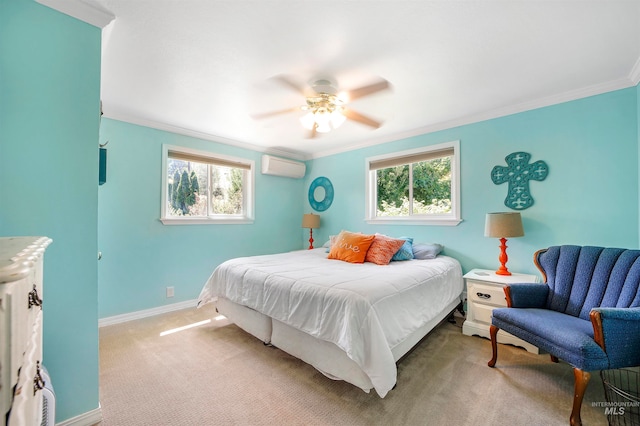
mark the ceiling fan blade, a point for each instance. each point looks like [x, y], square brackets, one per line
[312, 133]
[290, 83]
[368, 90]
[356, 116]
[272, 113]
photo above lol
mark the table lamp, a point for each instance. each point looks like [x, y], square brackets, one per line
[311, 221]
[503, 225]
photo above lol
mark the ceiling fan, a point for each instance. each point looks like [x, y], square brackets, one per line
[325, 106]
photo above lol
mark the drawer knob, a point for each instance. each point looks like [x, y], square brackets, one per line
[34, 299]
[483, 296]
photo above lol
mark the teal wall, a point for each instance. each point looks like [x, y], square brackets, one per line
[141, 256]
[49, 105]
[589, 197]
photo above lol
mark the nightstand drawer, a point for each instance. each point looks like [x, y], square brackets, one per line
[486, 294]
[482, 313]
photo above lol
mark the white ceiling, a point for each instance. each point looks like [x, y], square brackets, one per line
[203, 67]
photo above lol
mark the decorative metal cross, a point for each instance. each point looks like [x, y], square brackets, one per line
[518, 173]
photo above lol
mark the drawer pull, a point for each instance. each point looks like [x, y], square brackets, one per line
[38, 381]
[34, 299]
[483, 296]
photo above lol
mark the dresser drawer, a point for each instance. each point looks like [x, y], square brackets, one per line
[486, 294]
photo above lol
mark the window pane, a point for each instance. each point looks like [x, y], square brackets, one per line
[393, 191]
[186, 188]
[226, 190]
[418, 186]
[431, 192]
[432, 186]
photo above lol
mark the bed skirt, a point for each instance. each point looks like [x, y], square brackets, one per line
[324, 356]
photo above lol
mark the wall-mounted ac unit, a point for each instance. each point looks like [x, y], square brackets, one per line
[282, 167]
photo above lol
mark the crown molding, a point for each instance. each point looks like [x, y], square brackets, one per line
[128, 118]
[78, 9]
[572, 95]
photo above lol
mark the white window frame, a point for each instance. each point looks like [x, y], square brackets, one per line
[248, 195]
[449, 219]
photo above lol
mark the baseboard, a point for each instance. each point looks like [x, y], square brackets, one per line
[89, 418]
[117, 319]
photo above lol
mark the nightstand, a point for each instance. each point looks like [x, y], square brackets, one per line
[485, 293]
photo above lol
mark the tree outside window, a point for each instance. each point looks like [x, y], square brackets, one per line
[418, 186]
[203, 188]
[226, 196]
[415, 189]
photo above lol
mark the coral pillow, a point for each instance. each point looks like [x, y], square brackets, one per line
[382, 249]
[351, 247]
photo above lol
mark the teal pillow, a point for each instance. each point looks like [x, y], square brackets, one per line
[406, 251]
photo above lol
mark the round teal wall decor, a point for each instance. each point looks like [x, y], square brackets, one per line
[518, 173]
[320, 194]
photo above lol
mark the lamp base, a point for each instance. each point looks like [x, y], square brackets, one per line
[502, 270]
[310, 238]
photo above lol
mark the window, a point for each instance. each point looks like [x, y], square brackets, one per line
[201, 187]
[418, 186]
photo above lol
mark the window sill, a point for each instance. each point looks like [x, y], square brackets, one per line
[205, 221]
[413, 221]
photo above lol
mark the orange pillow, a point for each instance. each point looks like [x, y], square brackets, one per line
[351, 247]
[382, 249]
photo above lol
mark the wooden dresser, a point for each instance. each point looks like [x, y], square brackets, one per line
[21, 261]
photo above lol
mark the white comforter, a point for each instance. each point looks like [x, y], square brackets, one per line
[365, 309]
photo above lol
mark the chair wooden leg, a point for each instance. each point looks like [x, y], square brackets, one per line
[493, 331]
[581, 382]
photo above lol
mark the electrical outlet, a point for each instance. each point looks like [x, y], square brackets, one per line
[169, 291]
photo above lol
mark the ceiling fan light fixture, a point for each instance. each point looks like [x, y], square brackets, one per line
[323, 128]
[337, 118]
[324, 109]
[308, 120]
[322, 116]
[323, 120]
[324, 113]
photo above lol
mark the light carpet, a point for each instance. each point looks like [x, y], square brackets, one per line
[216, 374]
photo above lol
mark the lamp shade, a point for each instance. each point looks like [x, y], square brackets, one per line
[311, 220]
[503, 225]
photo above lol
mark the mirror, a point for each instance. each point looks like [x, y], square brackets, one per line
[319, 193]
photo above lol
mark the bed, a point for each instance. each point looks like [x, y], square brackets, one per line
[351, 321]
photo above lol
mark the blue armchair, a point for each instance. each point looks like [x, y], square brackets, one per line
[587, 312]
